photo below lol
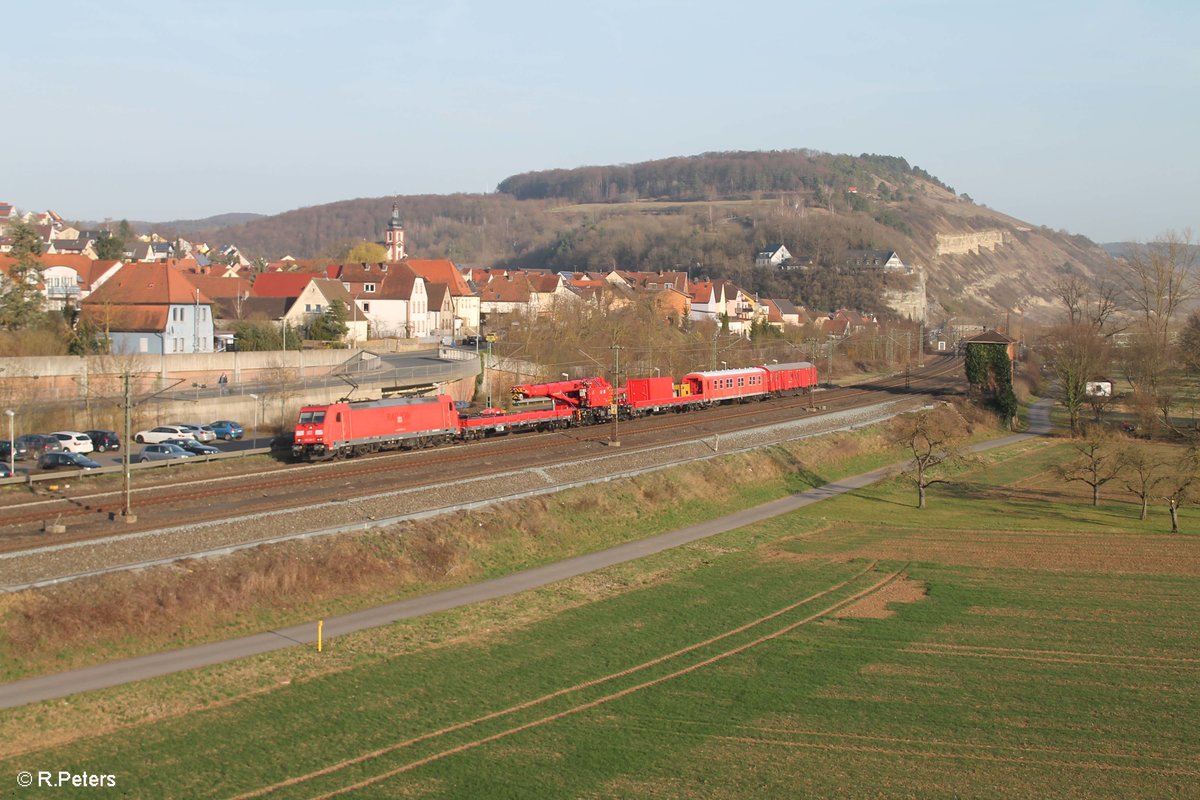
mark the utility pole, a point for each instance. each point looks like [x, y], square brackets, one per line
[616, 409]
[127, 515]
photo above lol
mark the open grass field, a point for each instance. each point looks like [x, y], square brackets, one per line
[1008, 641]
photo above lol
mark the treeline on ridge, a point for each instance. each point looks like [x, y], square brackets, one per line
[712, 175]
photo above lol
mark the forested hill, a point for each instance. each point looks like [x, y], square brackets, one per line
[712, 175]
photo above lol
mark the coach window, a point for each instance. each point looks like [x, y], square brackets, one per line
[741, 381]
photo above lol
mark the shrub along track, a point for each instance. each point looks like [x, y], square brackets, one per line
[580, 705]
[227, 497]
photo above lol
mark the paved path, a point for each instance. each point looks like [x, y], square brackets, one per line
[116, 673]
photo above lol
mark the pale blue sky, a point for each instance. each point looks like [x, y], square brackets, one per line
[1082, 116]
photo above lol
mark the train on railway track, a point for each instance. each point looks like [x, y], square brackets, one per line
[353, 428]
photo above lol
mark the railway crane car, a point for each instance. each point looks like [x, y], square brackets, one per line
[593, 398]
[360, 427]
[572, 402]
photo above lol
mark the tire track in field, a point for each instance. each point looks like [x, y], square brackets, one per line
[1053, 657]
[928, 754]
[340, 765]
[902, 740]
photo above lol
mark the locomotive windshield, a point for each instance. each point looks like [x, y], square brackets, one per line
[309, 417]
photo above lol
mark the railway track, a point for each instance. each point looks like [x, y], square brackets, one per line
[88, 514]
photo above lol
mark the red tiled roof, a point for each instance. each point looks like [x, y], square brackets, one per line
[217, 287]
[143, 283]
[282, 284]
[125, 317]
[512, 289]
[440, 270]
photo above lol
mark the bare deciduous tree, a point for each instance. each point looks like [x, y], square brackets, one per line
[1099, 461]
[1078, 348]
[1143, 473]
[1158, 279]
[1181, 484]
[934, 437]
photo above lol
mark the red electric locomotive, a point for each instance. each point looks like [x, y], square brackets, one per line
[366, 426]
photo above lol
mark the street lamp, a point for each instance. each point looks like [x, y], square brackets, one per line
[254, 443]
[12, 445]
[724, 365]
[657, 372]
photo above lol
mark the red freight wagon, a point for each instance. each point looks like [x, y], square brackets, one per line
[652, 395]
[366, 426]
[790, 378]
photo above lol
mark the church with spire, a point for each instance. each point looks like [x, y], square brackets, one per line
[393, 237]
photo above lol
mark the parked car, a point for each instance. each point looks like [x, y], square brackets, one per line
[68, 460]
[472, 340]
[5, 472]
[162, 452]
[162, 433]
[227, 429]
[35, 444]
[22, 451]
[74, 441]
[201, 433]
[104, 440]
[194, 447]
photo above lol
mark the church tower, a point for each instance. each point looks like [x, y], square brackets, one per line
[393, 238]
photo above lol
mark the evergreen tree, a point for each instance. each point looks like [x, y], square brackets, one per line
[331, 326]
[20, 299]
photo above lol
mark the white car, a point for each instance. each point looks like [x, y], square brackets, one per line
[162, 433]
[74, 441]
[201, 433]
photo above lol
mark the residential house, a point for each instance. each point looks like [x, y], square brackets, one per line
[708, 300]
[834, 328]
[314, 300]
[773, 255]
[506, 293]
[67, 279]
[441, 310]
[876, 259]
[76, 246]
[548, 290]
[392, 296]
[151, 308]
[773, 316]
[788, 313]
[464, 299]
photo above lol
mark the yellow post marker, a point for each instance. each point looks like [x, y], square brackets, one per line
[320, 628]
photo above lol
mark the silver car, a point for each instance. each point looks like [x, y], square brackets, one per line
[201, 433]
[162, 452]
